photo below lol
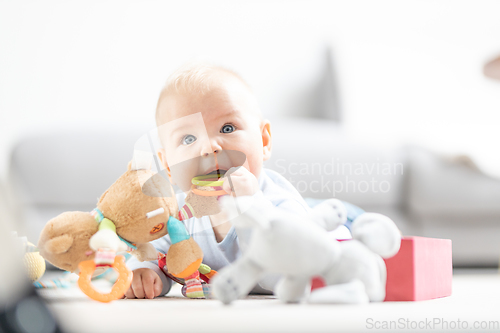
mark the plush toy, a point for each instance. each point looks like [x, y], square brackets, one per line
[138, 208]
[301, 249]
[34, 263]
[201, 200]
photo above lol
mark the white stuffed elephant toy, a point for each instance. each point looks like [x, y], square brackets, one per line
[299, 249]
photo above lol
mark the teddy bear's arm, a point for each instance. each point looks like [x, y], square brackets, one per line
[145, 252]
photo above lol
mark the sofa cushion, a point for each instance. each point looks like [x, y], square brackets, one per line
[441, 187]
[71, 165]
[322, 160]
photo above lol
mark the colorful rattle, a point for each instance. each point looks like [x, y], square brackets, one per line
[183, 262]
[121, 285]
[106, 243]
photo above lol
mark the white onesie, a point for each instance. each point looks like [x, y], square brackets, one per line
[273, 187]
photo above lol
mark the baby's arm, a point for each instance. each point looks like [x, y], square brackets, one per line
[148, 279]
[146, 283]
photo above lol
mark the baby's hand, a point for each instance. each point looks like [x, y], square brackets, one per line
[145, 284]
[242, 182]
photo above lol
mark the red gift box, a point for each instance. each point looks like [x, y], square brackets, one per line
[421, 270]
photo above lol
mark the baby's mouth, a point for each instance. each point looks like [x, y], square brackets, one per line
[219, 173]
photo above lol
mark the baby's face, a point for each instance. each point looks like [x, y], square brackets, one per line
[226, 120]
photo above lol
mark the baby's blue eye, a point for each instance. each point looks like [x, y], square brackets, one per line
[228, 128]
[188, 139]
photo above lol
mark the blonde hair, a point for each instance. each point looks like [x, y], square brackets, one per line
[197, 78]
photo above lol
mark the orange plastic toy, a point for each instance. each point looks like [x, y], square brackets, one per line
[207, 193]
[121, 285]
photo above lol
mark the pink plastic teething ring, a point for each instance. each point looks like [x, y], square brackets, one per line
[207, 193]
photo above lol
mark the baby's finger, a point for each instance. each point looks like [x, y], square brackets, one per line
[137, 287]
[234, 186]
[234, 171]
[129, 293]
[226, 186]
[148, 285]
[158, 287]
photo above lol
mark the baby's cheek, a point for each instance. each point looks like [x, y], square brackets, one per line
[183, 172]
[251, 168]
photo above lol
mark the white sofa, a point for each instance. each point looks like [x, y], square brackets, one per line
[425, 194]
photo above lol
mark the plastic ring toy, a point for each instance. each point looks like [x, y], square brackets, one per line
[200, 180]
[207, 193]
[121, 285]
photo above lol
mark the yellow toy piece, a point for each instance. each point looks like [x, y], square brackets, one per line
[34, 263]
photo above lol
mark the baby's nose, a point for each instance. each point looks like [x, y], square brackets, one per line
[210, 150]
[215, 151]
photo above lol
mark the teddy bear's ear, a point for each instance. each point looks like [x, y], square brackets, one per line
[59, 244]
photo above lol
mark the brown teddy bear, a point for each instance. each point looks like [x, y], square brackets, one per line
[65, 240]
[135, 210]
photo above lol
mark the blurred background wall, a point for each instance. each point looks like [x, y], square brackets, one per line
[385, 82]
[400, 71]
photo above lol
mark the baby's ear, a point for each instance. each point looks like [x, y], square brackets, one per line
[163, 159]
[162, 156]
[267, 142]
[59, 244]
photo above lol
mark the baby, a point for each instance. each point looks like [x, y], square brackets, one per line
[205, 112]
